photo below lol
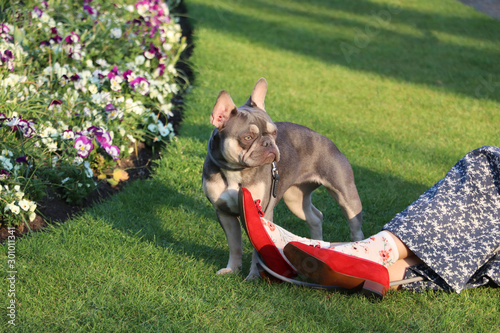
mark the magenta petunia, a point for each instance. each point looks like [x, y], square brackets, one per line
[83, 146]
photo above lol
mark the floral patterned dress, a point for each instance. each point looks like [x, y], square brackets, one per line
[454, 227]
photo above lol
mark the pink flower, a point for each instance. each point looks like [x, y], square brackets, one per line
[104, 139]
[113, 151]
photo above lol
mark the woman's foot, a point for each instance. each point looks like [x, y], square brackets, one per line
[268, 238]
[330, 267]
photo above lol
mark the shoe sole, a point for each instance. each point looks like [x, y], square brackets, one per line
[320, 272]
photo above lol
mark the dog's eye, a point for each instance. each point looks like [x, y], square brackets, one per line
[248, 137]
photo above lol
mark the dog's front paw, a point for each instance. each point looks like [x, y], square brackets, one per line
[228, 270]
[253, 275]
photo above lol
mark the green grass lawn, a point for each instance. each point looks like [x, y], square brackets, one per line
[403, 90]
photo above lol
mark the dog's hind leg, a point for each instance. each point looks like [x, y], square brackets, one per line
[298, 200]
[349, 202]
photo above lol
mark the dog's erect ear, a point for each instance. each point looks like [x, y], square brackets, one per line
[258, 94]
[223, 109]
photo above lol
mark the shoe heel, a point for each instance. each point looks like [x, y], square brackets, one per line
[372, 289]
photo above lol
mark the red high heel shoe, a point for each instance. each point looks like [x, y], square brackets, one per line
[330, 267]
[251, 220]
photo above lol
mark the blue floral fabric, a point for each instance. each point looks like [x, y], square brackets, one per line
[454, 227]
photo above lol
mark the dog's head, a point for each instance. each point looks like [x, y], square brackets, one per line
[247, 134]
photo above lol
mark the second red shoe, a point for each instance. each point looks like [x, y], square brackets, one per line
[330, 267]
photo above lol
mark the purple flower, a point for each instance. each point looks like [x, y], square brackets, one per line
[127, 73]
[161, 69]
[26, 127]
[83, 146]
[22, 159]
[95, 131]
[4, 174]
[55, 103]
[73, 38]
[109, 108]
[55, 40]
[89, 9]
[104, 139]
[74, 77]
[113, 151]
[38, 12]
[141, 84]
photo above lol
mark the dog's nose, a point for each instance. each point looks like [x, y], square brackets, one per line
[267, 142]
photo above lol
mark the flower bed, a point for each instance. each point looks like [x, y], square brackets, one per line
[81, 83]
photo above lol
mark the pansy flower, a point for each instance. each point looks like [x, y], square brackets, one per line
[104, 139]
[4, 174]
[83, 146]
[116, 83]
[26, 127]
[55, 104]
[22, 159]
[63, 80]
[72, 38]
[141, 85]
[113, 151]
[68, 135]
[129, 75]
[37, 11]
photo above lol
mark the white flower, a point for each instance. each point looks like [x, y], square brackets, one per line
[13, 208]
[93, 89]
[32, 216]
[167, 46]
[65, 180]
[149, 55]
[153, 128]
[7, 164]
[101, 62]
[45, 18]
[88, 171]
[24, 204]
[78, 160]
[116, 83]
[116, 33]
[139, 60]
[142, 8]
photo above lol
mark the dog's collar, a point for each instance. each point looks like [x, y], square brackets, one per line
[221, 162]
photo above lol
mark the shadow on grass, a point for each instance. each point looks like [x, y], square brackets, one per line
[370, 43]
[408, 45]
[187, 225]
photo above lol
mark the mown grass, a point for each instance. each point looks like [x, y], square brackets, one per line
[421, 92]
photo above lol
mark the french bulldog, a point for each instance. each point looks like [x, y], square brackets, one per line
[273, 161]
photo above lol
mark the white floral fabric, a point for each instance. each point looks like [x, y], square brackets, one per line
[454, 227]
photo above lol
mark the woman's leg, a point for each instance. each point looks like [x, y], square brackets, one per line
[397, 271]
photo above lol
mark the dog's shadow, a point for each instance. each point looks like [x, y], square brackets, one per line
[184, 221]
